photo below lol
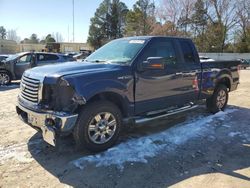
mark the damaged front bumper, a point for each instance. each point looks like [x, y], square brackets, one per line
[50, 123]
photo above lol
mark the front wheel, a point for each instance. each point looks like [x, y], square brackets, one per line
[218, 101]
[98, 126]
[5, 78]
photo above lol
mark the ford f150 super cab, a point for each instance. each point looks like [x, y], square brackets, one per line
[128, 80]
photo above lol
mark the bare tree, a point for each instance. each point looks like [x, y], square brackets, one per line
[223, 14]
[177, 13]
[169, 11]
[187, 8]
[58, 37]
[243, 13]
[12, 35]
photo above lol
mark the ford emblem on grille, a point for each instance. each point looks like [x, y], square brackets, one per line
[22, 86]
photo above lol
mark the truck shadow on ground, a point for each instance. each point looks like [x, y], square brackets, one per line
[224, 150]
[13, 85]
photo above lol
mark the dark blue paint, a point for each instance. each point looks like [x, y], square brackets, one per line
[142, 91]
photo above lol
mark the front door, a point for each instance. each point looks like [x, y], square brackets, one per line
[22, 63]
[159, 89]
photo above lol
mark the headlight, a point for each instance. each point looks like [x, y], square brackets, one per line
[63, 82]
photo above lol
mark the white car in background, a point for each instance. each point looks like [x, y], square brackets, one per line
[3, 57]
[205, 59]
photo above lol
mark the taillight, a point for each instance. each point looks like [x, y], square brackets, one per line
[195, 84]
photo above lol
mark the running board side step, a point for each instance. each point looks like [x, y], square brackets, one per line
[140, 120]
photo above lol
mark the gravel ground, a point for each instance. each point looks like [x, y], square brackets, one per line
[194, 149]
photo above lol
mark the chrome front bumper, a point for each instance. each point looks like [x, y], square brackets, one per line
[49, 123]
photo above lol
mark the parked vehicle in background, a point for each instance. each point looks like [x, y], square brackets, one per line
[3, 57]
[245, 63]
[13, 67]
[129, 80]
[205, 59]
[82, 55]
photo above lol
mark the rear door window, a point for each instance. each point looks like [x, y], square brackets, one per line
[188, 52]
[52, 57]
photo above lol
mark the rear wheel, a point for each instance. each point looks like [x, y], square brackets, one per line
[98, 126]
[5, 78]
[218, 101]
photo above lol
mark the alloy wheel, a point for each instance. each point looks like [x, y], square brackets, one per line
[4, 78]
[102, 128]
[221, 99]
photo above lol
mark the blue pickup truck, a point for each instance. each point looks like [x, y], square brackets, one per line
[129, 80]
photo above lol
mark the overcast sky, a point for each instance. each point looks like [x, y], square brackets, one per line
[47, 16]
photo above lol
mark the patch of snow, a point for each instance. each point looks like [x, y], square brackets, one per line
[233, 134]
[140, 149]
[227, 126]
[18, 152]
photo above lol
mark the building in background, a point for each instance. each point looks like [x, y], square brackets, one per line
[8, 47]
[11, 47]
[31, 47]
[66, 47]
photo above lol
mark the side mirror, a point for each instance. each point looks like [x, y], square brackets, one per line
[154, 63]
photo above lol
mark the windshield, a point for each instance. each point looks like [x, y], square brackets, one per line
[120, 51]
[12, 57]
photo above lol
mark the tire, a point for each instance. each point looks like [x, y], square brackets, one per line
[218, 101]
[5, 78]
[98, 126]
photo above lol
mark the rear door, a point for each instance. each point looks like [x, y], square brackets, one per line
[191, 69]
[46, 59]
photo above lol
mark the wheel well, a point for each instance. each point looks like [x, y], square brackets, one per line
[114, 98]
[224, 81]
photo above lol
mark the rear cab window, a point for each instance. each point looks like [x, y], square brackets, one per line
[187, 51]
[190, 55]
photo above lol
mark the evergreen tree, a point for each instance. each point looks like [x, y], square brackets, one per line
[108, 22]
[49, 38]
[2, 32]
[141, 18]
[33, 39]
[199, 24]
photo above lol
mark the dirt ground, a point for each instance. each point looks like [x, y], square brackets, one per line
[194, 149]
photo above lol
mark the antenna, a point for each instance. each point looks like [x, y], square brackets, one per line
[73, 6]
[68, 32]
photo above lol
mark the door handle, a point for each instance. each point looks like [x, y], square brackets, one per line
[178, 73]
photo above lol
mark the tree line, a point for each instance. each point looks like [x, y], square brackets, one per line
[33, 39]
[214, 25]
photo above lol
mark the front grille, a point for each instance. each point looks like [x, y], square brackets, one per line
[29, 89]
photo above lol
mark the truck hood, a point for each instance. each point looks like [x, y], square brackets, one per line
[68, 68]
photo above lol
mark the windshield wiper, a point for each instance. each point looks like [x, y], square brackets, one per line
[97, 61]
[100, 61]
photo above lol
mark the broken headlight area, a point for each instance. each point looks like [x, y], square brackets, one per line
[59, 97]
